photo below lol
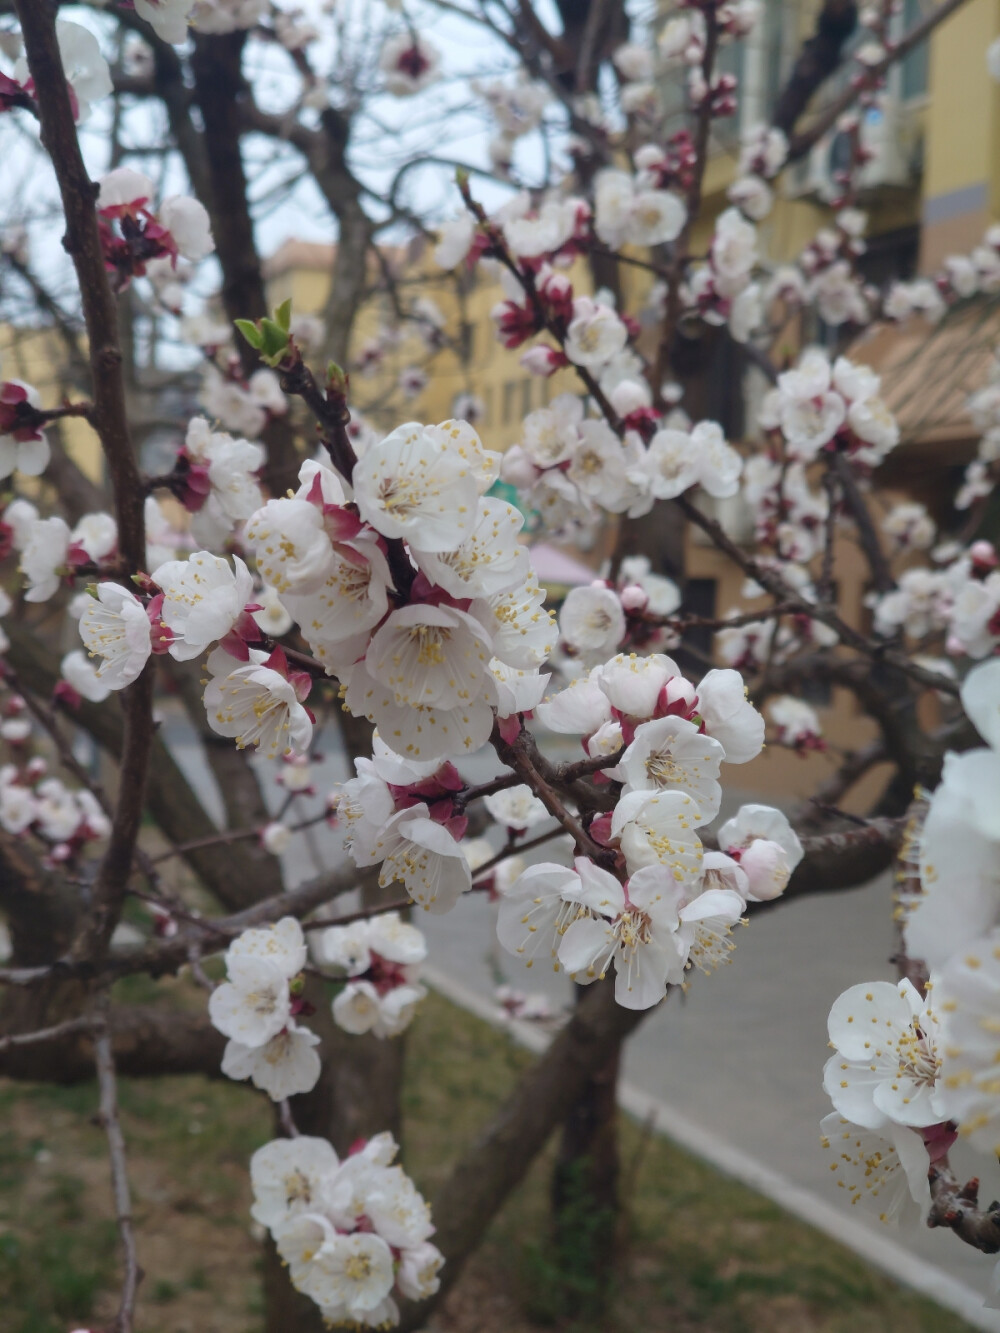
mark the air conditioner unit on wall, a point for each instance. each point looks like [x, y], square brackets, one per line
[888, 134]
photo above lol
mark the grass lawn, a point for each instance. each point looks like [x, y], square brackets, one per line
[700, 1252]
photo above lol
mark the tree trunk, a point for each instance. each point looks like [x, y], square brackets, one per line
[585, 1193]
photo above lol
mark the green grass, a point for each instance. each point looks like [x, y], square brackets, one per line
[698, 1251]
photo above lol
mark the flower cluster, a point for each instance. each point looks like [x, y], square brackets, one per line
[256, 1008]
[722, 290]
[381, 957]
[817, 406]
[133, 235]
[670, 906]
[571, 468]
[915, 1070]
[351, 1231]
[34, 803]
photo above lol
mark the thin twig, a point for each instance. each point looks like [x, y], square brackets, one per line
[111, 1124]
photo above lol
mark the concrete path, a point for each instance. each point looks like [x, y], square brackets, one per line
[733, 1068]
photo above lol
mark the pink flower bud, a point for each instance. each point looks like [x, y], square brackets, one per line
[542, 360]
[766, 867]
[633, 598]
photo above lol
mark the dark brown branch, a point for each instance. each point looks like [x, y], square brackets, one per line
[858, 509]
[819, 57]
[801, 143]
[83, 244]
[956, 1206]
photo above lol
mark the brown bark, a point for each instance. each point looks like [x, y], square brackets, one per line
[819, 57]
[219, 87]
[109, 417]
[232, 873]
[148, 1042]
[584, 1191]
[492, 1167]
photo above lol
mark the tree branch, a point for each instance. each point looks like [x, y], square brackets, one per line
[111, 1124]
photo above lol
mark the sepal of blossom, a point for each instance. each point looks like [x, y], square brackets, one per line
[515, 323]
[885, 1171]
[116, 627]
[887, 1061]
[285, 1066]
[766, 846]
[556, 293]
[160, 636]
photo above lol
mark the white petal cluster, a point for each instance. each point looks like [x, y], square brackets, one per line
[631, 690]
[652, 927]
[627, 214]
[253, 1008]
[816, 403]
[354, 1232]
[381, 957]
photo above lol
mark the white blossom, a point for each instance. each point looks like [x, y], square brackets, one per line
[115, 626]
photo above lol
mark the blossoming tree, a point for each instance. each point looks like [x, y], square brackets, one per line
[292, 562]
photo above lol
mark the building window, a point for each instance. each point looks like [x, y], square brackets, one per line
[695, 654]
[509, 398]
[525, 397]
[914, 68]
[488, 405]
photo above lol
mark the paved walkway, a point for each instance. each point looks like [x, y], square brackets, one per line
[739, 1057]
